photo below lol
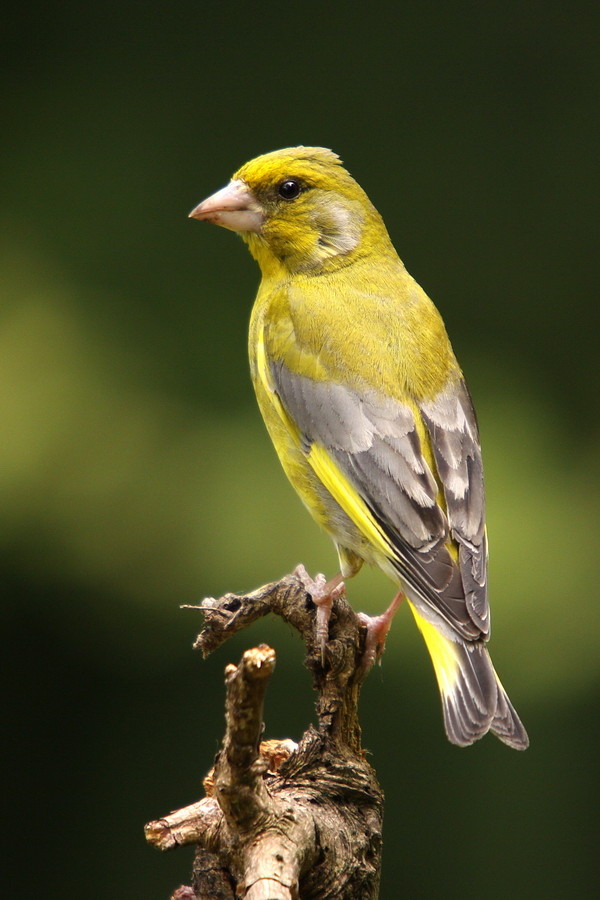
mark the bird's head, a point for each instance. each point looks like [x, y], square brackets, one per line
[299, 210]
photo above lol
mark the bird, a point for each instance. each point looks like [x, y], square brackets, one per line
[370, 416]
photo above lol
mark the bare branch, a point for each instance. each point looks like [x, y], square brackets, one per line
[338, 683]
[283, 821]
[198, 823]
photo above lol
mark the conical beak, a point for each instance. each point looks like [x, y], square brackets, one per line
[234, 207]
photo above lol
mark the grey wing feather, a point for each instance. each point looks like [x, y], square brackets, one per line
[452, 425]
[374, 441]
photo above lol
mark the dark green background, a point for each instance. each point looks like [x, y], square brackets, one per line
[135, 472]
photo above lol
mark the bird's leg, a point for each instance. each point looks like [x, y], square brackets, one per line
[377, 631]
[322, 593]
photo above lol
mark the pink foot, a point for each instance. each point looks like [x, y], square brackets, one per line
[377, 632]
[323, 593]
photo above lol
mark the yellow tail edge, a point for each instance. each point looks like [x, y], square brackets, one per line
[473, 698]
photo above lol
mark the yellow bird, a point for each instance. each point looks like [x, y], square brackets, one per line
[370, 415]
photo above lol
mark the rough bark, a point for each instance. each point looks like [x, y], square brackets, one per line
[283, 821]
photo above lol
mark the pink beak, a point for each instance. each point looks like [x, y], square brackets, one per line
[233, 207]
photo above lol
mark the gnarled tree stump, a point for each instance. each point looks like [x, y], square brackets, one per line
[283, 821]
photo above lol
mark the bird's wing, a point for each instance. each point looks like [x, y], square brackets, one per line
[453, 433]
[378, 458]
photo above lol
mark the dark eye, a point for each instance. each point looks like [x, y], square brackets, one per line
[289, 189]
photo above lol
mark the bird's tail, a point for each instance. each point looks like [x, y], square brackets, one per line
[473, 699]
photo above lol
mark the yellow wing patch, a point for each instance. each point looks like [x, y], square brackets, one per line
[264, 375]
[349, 499]
[325, 468]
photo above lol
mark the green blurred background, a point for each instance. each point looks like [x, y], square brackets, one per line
[136, 475]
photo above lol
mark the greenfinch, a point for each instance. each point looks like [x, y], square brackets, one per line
[370, 415]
